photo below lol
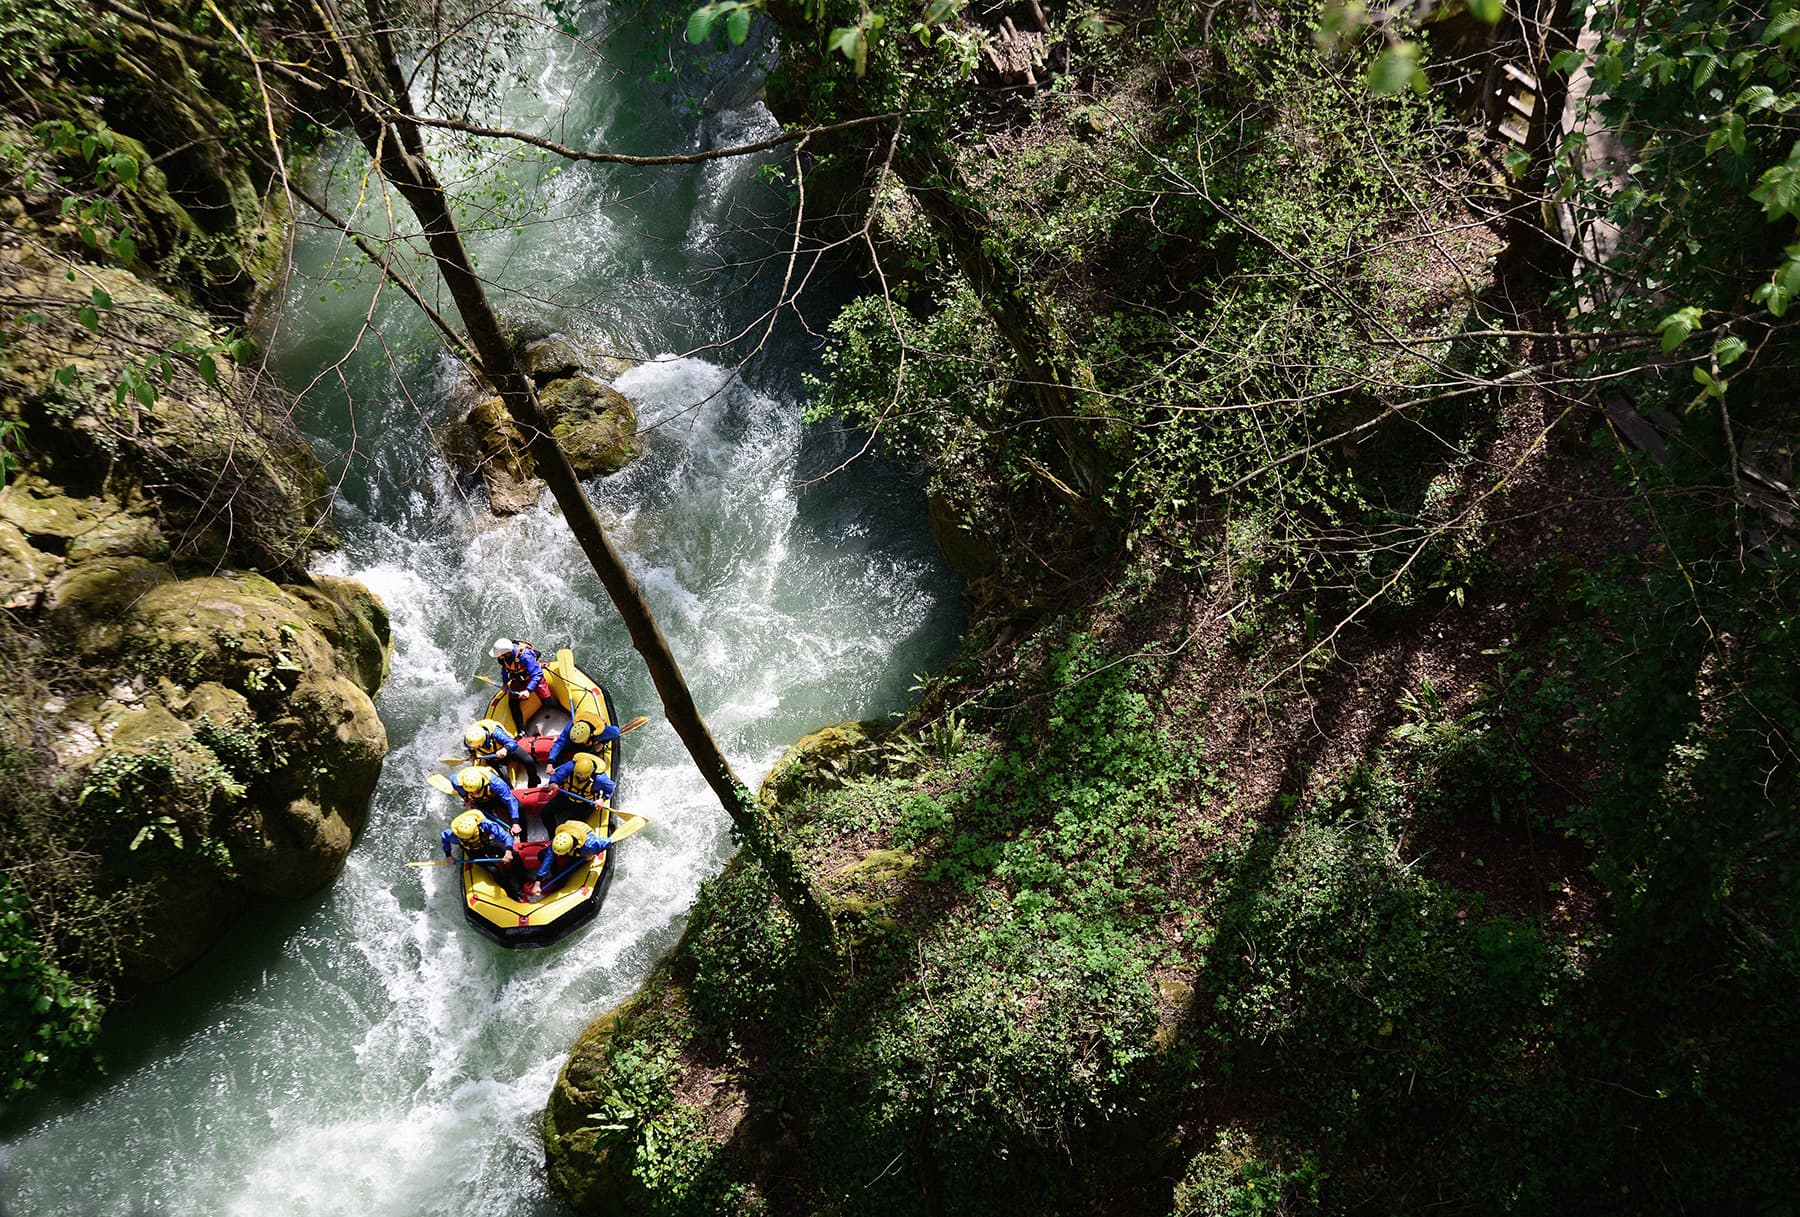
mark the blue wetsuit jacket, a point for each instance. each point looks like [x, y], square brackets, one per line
[562, 749]
[563, 778]
[592, 845]
[499, 798]
[494, 837]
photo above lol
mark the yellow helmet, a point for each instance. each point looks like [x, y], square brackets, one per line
[474, 735]
[467, 827]
[472, 779]
[585, 766]
[582, 731]
[563, 844]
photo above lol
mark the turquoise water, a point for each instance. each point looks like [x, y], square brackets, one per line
[364, 1052]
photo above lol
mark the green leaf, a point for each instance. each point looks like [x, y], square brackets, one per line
[844, 40]
[938, 10]
[700, 23]
[1757, 97]
[124, 248]
[1489, 11]
[1778, 190]
[1567, 61]
[209, 369]
[1517, 161]
[102, 300]
[1775, 297]
[737, 26]
[1393, 69]
[1781, 25]
[88, 317]
[1729, 349]
[1677, 326]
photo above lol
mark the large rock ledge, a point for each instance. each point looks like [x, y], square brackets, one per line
[198, 705]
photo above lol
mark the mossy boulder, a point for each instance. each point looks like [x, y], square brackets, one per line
[583, 1168]
[25, 571]
[239, 751]
[552, 358]
[199, 451]
[824, 760]
[486, 443]
[595, 424]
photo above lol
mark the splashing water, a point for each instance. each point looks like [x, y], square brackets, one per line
[365, 1052]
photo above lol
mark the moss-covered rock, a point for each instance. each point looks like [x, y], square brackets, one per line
[204, 454]
[25, 571]
[824, 760]
[486, 443]
[595, 424]
[552, 358]
[243, 750]
[582, 1166]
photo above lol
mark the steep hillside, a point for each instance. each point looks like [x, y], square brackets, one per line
[1369, 779]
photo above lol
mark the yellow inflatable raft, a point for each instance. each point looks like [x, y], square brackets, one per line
[575, 900]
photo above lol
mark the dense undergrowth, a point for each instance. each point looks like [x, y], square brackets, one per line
[1372, 789]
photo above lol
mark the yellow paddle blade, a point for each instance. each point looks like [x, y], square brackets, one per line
[486, 680]
[438, 781]
[631, 823]
[441, 862]
[634, 724]
[453, 760]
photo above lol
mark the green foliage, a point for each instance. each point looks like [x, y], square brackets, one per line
[48, 1021]
[670, 1157]
[160, 800]
[12, 441]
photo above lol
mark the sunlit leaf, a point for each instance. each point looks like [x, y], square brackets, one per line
[1393, 69]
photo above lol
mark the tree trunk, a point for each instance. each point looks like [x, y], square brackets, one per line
[1056, 380]
[395, 145]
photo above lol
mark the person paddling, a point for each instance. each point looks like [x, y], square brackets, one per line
[523, 674]
[484, 840]
[487, 742]
[573, 841]
[580, 787]
[577, 735]
[487, 792]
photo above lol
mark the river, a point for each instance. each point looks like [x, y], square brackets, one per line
[364, 1052]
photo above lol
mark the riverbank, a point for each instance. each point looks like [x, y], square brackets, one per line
[188, 720]
[1336, 803]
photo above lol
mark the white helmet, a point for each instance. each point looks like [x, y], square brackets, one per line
[502, 646]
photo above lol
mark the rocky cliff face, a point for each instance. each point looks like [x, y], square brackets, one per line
[195, 707]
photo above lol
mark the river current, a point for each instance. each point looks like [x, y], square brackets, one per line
[365, 1052]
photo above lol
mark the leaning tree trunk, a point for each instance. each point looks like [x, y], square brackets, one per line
[394, 143]
[1056, 380]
